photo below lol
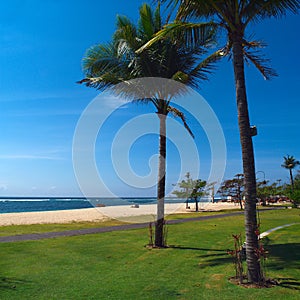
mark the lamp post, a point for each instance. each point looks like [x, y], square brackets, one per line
[264, 181]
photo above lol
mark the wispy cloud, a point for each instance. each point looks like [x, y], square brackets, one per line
[112, 101]
[29, 157]
[43, 113]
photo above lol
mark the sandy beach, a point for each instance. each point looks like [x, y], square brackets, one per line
[143, 213]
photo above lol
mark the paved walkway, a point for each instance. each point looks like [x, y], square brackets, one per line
[262, 235]
[47, 235]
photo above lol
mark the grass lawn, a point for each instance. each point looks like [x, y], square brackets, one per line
[117, 265]
[40, 228]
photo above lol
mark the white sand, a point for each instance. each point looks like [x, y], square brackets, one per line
[144, 213]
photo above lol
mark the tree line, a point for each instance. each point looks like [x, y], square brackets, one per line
[233, 190]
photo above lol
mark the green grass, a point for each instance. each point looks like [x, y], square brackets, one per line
[40, 228]
[117, 265]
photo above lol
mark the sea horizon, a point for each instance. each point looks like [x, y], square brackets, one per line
[33, 204]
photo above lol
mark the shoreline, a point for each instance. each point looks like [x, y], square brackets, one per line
[142, 213]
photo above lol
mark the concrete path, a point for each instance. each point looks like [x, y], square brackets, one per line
[262, 235]
[47, 235]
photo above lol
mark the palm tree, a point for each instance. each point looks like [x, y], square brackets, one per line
[290, 163]
[109, 64]
[233, 17]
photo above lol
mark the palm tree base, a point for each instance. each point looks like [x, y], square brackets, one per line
[265, 283]
[159, 234]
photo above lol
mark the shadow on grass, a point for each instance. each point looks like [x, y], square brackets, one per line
[10, 283]
[209, 259]
[284, 256]
[289, 283]
[196, 248]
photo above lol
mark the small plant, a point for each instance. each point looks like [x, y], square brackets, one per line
[151, 235]
[261, 253]
[165, 232]
[150, 244]
[237, 255]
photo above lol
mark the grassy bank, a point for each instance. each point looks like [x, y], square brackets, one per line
[116, 265]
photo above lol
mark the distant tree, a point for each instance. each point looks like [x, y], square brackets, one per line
[293, 192]
[266, 190]
[234, 188]
[186, 187]
[198, 191]
[290, 163]
[191, 189]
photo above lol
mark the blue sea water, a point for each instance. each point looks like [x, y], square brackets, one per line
[10, 205]
[19, 204]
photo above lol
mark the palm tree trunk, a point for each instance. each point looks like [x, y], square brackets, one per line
[254, 270]
[159, 226]
[291, 178]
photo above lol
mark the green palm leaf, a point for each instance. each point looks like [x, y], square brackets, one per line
[191, 34]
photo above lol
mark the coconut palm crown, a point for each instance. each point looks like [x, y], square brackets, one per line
[290, 163]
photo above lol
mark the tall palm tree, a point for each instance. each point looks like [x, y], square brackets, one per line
[290, 163]
[106, 65]
[233, 17]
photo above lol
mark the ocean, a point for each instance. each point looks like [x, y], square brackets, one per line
[23, 204]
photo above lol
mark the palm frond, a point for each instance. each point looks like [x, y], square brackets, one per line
[181, 77]
[277, 8]
[259, 9]
[191, 34]
[261, 64]
[102, 82]
[157, 18]
[146, 22]
[104, 65]
[97, 53]
[253, 55]
[177, 113]
[208, 65]
[126, 30]
[199, 8]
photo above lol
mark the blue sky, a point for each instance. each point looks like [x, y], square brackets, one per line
[42, 44]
